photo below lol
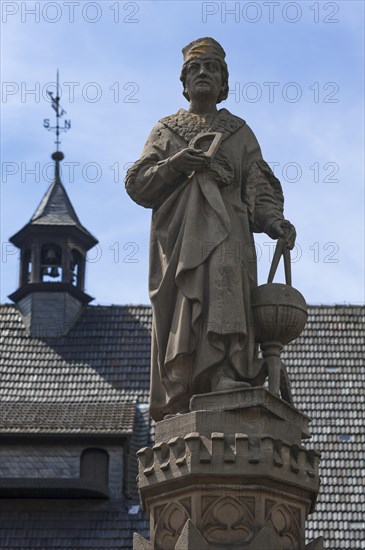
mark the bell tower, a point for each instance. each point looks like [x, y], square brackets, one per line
[53, 247]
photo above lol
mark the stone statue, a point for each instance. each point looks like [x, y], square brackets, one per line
[231, 472]
[202, 173]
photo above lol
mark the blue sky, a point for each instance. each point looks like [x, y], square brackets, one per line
[296, 77]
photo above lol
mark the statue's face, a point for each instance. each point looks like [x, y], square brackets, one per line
[203, 77]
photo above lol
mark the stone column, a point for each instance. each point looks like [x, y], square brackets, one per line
[230, 474]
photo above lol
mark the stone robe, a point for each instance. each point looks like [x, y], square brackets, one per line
[202, 254]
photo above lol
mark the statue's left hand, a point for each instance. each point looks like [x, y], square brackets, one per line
[284, 230]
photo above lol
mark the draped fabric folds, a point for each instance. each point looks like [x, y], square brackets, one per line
[202, 254]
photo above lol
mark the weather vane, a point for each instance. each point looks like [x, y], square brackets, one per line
[60, 112]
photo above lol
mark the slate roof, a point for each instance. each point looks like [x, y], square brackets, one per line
[82, 382]
[327, 368]
[55, 209]
[106, 356]
[88, 382]
[67, 418]
[68, 525]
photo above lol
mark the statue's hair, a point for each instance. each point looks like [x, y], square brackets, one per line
[224, 91]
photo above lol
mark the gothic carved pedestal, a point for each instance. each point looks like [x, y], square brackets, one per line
[230, 474]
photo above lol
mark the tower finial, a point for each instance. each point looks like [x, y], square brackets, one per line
[60, 112]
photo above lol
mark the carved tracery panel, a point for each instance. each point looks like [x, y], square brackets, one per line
[170, 525]
[227, 519]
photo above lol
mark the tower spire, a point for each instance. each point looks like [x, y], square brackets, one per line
[53, 246]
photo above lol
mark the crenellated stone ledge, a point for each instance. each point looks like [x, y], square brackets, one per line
[235, 471]
[221, 458]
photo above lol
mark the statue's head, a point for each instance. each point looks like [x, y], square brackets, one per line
[205, 52]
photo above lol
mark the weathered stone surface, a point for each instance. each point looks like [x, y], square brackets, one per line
[236, 487]
[253, 406]
[206, 207]
[266, 539]
[229, 486]
[228, 516]
[233, 458]
[253, 411]
[240, 490]
[228, 470]
[140, 543]
[244, 445]
[191, 538]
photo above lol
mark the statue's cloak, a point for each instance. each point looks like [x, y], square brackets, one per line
[202, 254]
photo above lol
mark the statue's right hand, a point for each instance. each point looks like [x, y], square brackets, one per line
[188, 160]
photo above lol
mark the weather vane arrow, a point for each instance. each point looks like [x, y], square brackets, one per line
[60, 112]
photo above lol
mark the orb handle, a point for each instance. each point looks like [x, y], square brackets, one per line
[281, 250]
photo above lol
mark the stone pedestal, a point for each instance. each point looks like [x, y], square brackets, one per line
[230, 474]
